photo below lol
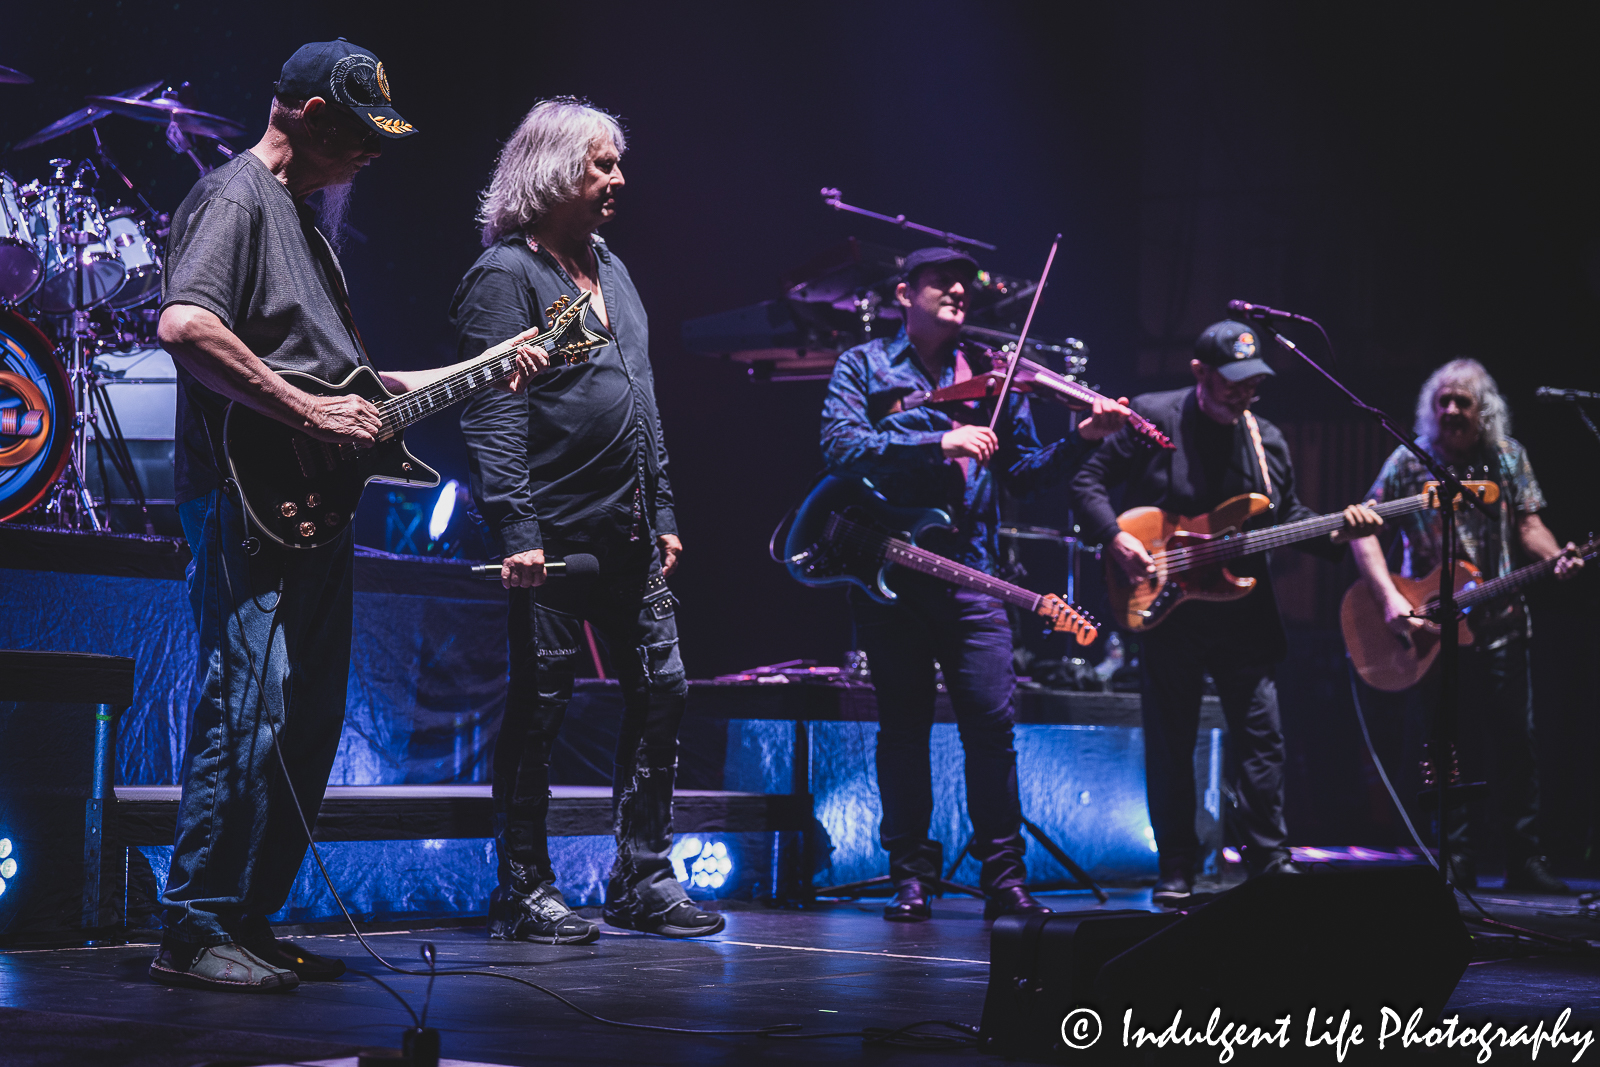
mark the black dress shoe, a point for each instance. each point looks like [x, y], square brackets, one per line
[910, 904]
[1011, 900]
[1533, 875]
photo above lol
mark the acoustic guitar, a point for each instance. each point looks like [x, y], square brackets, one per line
[847, 533]
[302, 492]
[1388, 661]
[1191, 554]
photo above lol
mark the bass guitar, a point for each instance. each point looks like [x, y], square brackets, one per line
[1191, 554]
[1386, 660]
[302, 492]
[846, 533]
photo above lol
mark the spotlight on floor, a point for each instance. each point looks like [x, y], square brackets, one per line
[8, 863]
[701, 862]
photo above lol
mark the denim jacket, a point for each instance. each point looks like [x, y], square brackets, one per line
[901, 454]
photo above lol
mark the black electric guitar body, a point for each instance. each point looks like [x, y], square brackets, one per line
[302, 492]
[847, 533]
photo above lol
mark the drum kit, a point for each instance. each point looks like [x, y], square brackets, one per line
[81, 255]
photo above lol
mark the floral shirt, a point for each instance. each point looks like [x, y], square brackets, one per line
[1489, 544]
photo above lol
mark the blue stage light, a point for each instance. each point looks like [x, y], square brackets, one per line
[8, 863]
[444, 508]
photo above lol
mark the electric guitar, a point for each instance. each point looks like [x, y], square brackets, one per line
[302, 492]
[1190, 553]
[1386, 660]
[846, 533]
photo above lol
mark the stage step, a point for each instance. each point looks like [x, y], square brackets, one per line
[148, 814]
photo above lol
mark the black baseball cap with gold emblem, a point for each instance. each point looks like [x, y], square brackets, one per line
[1232, 347]
[342, 73]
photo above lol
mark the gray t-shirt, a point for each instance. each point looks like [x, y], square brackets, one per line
[242, 248]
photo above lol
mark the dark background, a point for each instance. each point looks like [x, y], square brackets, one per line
[1419, 178]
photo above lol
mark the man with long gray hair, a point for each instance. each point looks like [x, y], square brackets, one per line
[578, 465]
[1463, 421]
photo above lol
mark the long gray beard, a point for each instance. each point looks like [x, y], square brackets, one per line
[332, 209]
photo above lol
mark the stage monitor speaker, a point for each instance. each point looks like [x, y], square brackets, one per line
[58, 716]
[1042, 966]
[1284, 944]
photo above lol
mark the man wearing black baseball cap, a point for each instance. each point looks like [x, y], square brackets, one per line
[926, 458]
[1222, 450]
[252, 287]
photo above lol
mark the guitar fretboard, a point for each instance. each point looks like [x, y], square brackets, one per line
[1521, 578]
[923, 561]
[1244, 544]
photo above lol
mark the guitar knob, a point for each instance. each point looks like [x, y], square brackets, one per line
[406, 467]
[288, 509]
[314, 500]
[332, 518]
[308, 529]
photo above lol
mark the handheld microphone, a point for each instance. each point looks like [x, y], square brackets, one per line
[1260, 312]
[577, 565]
[1567, 396]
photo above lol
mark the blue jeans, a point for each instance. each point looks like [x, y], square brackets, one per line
[970, 636]
[274, 632]
[632, 609]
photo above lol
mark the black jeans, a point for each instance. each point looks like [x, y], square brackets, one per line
[970, 636]
[632, 609]
[1495, 742]
[1174, 660]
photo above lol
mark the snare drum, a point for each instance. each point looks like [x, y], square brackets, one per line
[20, 265]
[139, 258]
[58, 209]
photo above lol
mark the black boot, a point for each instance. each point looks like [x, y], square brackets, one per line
[910, 904]
[540, 916]
[1533, 875]
[1011, 900]
[1175, 884]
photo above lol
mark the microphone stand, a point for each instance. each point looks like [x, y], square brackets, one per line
[1441, 771]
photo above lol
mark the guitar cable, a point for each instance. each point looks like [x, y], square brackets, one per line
[904, 1037]
[1572, 944]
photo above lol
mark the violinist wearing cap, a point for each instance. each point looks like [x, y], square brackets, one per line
[925, 458]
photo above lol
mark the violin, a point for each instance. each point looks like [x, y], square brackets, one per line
[1033, 378]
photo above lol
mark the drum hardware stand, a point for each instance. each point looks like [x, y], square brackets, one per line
[1440, 768]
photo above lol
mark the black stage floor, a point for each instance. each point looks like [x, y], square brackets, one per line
[830, 967]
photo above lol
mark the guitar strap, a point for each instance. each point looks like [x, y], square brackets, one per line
[1261, 452]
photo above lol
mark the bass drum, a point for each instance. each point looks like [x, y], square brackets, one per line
[36, 415]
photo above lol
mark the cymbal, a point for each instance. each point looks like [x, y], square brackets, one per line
[13, 77]
[164, 110]
[85, 116]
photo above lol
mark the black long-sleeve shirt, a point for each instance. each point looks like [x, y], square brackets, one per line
[579, 457]
[1211, 463]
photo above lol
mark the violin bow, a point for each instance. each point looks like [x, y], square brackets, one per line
[1016, 353]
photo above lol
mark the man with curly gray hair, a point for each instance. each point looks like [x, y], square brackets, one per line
[576, 465]
[1463, 421]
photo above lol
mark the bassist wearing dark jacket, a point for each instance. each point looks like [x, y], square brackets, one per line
[924, 458]
[1222, 450]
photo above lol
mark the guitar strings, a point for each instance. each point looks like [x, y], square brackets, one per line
[1178, 559]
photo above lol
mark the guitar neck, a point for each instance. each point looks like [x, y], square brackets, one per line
[1508, 584]
[493, 366]
[921, 560]
[1277, 536]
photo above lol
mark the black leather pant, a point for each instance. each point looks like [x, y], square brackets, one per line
[632, 610]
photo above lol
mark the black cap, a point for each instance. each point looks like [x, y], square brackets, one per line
[342, 73]
[1231, 347]
[927, 257]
